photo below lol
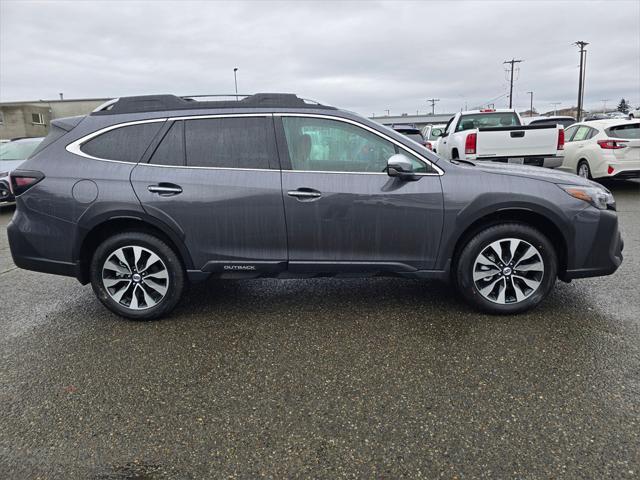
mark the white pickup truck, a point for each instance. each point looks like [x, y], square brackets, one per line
[500, 136]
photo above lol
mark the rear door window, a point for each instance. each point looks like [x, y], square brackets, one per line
[240, 142]
[125, 144]
[583, 133]
[171, 148]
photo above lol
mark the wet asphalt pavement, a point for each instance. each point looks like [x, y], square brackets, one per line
[376, 378]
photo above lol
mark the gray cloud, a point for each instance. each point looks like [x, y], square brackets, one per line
[364, 56]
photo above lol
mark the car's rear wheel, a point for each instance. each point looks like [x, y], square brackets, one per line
[506, 268]
[137, 275]
[583, 169]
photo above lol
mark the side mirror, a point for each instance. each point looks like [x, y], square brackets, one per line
[401, 167]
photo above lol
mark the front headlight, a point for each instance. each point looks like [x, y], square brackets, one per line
[597, 196]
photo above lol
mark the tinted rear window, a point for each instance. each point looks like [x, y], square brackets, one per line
[126, 144]
[229, 142]
[487, 120]
[629, 130]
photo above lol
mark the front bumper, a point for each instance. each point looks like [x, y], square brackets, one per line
[597, 246]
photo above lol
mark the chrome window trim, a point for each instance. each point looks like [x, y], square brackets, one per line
[438, 171]
[75, 146]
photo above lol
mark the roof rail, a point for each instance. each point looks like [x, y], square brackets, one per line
[157, 103]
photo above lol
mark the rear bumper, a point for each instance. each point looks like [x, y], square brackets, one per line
[597, 249]
[6, 197]
[25, 256]
[535, 161]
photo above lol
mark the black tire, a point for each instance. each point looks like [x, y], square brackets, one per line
[584, 163]
[466, 263]
[174, 272]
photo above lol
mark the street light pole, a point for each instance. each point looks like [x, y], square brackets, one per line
[235, 80]
[531, 106]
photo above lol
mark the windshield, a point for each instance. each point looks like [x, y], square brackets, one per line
[18, 149]
[487, 120]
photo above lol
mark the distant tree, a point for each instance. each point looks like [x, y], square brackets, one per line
[623, 106]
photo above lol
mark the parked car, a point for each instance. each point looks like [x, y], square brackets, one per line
[565, 121]
[412, 132]
[596, 116]
[431, 134]
[618, 115]
[149, 193]
[634, 114]
[500, 136]
[603, 149]
[12, 154]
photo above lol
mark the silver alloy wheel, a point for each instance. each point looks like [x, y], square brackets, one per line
[135, 277]
[583, 170]
[508, 271]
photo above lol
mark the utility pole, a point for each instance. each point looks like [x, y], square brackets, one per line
[512, 62]
[235, 80]
[555, 107]
[433, 101]
[531, 105]
[583, 55]
[604, 104]
[388, 114]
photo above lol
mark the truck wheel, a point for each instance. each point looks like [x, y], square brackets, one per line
[583, 169]
[136, 275]
[506, 268]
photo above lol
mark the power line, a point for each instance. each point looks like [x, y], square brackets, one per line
[433, 101]
[512, 62]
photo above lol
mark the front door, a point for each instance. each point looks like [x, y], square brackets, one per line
[217, 181]
[343, 211]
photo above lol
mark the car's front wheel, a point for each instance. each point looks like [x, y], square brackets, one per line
[137, 275]
[506, 268]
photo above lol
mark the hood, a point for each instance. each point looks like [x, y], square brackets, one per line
[538, 173]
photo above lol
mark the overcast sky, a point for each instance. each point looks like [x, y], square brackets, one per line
[363, 56]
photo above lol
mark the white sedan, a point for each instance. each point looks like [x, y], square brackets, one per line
[603, 149]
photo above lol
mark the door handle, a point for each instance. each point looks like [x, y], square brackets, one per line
[304, 194]
[165, 189]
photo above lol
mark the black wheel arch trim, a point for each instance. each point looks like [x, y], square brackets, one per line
[491, 212]
[84, 228]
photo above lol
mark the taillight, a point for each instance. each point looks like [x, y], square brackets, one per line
[487, 110]
[561, 139]
[610, 169]
[429, 145]
[470, 144]
[612, 144]
[22, 180]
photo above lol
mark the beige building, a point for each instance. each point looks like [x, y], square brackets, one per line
[32, 119]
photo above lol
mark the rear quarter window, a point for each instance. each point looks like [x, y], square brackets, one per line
[124, 144]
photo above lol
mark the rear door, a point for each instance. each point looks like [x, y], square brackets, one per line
[344, 213]
[216, 180]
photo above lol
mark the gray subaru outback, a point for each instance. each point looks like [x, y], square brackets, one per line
[148, 193]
